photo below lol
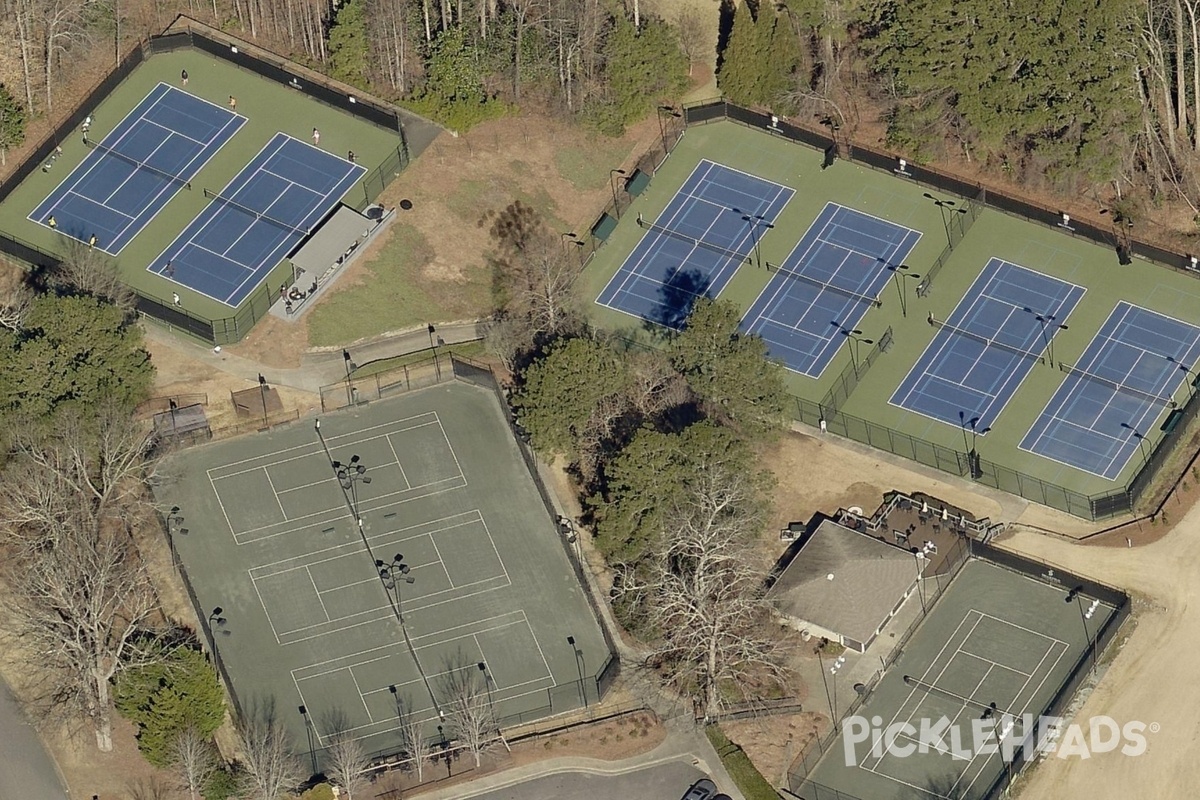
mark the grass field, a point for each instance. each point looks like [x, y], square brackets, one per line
[269, 108]
[994, 235]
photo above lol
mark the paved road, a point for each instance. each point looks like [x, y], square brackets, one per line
[662, 782]
[26, 769]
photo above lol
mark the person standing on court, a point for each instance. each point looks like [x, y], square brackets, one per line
[232, 103]
[350, 156]
[175, 298]
[316, 137]
[92, 241]
[183, 77]
[52, 222]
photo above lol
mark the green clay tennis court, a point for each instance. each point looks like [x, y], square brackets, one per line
[266, 535]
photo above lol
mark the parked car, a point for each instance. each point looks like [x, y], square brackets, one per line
[703, 789]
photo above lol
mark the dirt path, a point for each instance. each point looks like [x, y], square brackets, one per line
[1151, 679]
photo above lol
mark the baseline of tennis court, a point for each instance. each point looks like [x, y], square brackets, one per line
[257, 220]
[825, 286]
[709, 228]
[153, 152]
[989, 345]
[1125, 379]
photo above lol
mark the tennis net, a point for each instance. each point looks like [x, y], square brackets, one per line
[142, 165]
[984, 340]
[716, 248]
[800, 276]
[256, 214]
[990, 709]
[1116, 386]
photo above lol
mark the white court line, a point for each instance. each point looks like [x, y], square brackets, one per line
[932, 665]
[364, 508]
[441, 560]
[970, 309]
[314, 448]
[992, 662]
[275, 494]
[353, 548]
[399, 466]
[317, 592]
[385, 612]
[361, 696]
[1022, 627]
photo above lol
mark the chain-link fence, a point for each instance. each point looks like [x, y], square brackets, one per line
[931, 588]
[845, 383]
[799, 782]
[958, 216]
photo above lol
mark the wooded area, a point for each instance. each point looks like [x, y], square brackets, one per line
[1096, 99]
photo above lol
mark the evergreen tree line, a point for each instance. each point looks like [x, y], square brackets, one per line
[1098, 99]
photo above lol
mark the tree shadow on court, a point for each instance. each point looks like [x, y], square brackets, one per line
[678, 295]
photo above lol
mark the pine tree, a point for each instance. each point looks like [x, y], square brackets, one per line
[165, 698]
[738, 72]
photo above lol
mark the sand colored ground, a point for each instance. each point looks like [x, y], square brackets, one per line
[1151, 678]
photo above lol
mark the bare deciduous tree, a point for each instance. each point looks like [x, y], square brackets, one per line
[348, 762]
[534, 273]
[694, 36]
[15, 296]
[151, 788]
[412, 738]
[194, 761]
[270, 765]
[89, 271]
[78, 589]
[702, 592]
[469, 706]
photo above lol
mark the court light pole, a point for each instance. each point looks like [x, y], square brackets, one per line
[854, 338]
[262, 392]
[948, 209]
[662, 131]
[1141, 440]
[392, 575]
[825, 681]
[922, 560]
[613, 185]
[578, 668]
[1193, 378]
[1047, 321]
[1076, 595]
[312, 745]
[754, 221]
[972, 451]
[899, 273]
[838, 663]
[350, 367]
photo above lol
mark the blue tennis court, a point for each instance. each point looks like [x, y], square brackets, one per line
[825, 286]
[257, 220]
[1126, 378]
[988, 346]
[137, 168]
[707, 230]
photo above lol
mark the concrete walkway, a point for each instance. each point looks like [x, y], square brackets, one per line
[684, 743]
[27, 770]
[318, 368]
